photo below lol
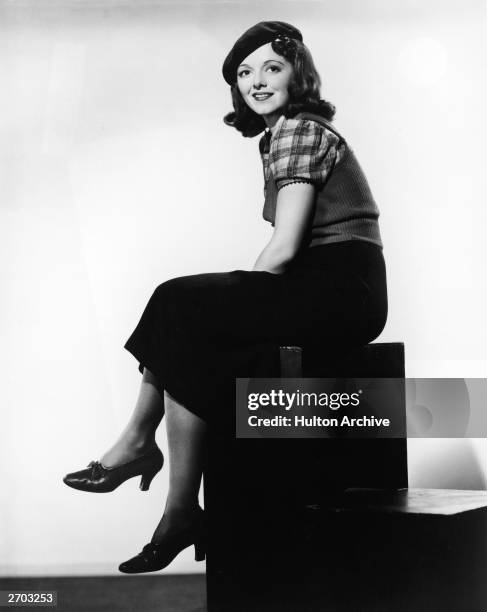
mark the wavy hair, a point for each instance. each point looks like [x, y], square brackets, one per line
[304, 91]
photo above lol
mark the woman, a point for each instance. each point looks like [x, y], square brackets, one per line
[320, 278]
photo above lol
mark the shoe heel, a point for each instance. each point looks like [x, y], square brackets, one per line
[146, 479]
[199, 551]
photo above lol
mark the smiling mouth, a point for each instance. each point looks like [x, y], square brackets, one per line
[261, 97]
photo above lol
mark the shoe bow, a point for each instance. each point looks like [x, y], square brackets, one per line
[96, 470]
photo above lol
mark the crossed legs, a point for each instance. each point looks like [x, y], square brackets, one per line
[186, 444]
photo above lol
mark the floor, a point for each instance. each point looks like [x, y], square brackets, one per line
[171, 593]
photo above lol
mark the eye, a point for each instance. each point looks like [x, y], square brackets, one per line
[276, 68]
[241, 73]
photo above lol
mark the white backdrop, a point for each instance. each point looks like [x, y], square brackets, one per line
[117, 173]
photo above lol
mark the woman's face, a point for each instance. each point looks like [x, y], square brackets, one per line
[263, 78]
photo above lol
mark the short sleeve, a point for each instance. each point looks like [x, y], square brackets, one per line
[302, 151]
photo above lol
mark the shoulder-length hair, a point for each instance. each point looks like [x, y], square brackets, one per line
[304, 91]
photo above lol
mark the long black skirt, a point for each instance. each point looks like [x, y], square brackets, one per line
[198, 333]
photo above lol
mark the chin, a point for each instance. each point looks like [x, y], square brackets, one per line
[267, 111]
[260, 109]
[262, 113]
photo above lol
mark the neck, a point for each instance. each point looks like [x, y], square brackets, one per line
[271, 121]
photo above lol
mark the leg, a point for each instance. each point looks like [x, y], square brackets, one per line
[182, 523]
[139, 433]
[186, 441]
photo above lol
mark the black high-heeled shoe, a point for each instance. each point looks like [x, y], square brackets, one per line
[155, 557]
[99, 479]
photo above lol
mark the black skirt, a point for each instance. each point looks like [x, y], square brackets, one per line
[198, 333]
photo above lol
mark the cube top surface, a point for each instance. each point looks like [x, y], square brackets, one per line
[445, 502]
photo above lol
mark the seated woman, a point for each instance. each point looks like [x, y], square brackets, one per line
[321, 278]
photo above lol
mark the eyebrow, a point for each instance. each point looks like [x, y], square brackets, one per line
[266, 62]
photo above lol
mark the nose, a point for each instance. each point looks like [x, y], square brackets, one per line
[259, 80]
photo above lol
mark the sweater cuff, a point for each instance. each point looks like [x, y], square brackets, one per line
[286, 182]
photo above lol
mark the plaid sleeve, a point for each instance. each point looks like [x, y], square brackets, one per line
[303, 151]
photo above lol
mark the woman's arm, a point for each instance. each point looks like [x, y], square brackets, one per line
[293, 211]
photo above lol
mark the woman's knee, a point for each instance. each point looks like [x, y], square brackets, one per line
[175, 302]
[172, 289]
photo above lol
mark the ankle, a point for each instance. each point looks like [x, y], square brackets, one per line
[176, 522]
[139, 441]
[143, 445]
[126, 449]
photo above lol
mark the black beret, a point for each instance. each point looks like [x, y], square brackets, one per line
[260, 34]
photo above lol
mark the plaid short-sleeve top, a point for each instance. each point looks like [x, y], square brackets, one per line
[301, 151]
[307, 149]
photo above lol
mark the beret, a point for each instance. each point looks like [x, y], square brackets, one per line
[260, 34]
